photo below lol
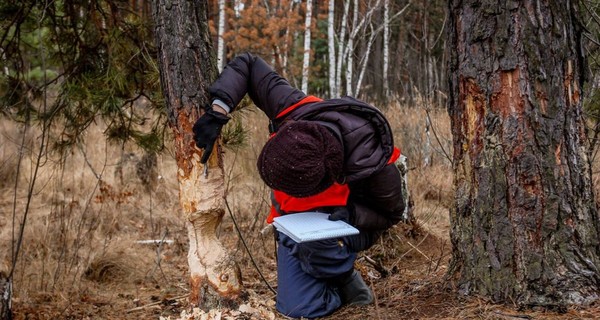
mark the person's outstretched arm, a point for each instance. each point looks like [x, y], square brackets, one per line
[244, 74]
[250, 74]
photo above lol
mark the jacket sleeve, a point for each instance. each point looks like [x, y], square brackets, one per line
[377, 199]
[250, 74]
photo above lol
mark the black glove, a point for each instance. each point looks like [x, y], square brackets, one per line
[341, 213]
[207, 129]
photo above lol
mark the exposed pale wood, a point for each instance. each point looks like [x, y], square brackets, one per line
[187, 68]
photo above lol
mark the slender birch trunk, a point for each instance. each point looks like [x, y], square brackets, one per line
[365, 60]
[341, 48]
[350, 49]
[306, 60]
[357, 27]
[331, 42]
[221, 41]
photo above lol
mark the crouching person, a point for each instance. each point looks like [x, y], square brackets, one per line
[335, 156]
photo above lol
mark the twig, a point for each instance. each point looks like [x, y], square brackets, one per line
[437, 264]
[513, 316]
[248, 249]
[407, 252]
[438, 138]
[381, 269]
[159, 245]
[419, 251]
[156, 303]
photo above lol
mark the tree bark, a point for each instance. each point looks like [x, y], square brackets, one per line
[350, 48]
[365, 60]
[5, 297]
[331, 48]
[524, 223]
[187, 67]
[221, 41]
[307, 36]
[342, 52]
[386, 48]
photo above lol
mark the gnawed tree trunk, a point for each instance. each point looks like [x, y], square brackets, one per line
[524, 222]
[187, 67]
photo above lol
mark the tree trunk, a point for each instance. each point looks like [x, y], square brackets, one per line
[386, 48]
[307, 36]
[221, 41]
[187, 67]
[524, 223]
[350, 49]
[365, 60]
[341, 49]
[331, 48]
[5, 298]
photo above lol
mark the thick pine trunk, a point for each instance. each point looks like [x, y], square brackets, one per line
[187, 67]
[524, 222]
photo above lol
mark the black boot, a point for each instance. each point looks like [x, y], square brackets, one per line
[354, 291]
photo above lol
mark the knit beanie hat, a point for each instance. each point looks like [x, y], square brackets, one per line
[302, 159]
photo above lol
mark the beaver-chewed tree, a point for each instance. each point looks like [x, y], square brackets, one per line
[187, 67]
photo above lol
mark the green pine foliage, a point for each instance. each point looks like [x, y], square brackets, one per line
[69, 63]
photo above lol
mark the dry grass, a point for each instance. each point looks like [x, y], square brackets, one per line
[85, 215]
[80, 259]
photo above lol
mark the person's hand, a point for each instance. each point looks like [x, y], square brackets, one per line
[341, 213]
[207, 129]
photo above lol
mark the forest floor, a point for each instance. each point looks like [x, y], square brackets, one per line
[415, 287]
[82, 258]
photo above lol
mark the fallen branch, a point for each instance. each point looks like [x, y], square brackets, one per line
[156, 303]
[380, 268]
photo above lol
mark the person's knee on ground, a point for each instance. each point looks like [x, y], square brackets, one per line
[302, 294]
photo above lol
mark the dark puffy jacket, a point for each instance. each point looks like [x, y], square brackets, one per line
[375, 185]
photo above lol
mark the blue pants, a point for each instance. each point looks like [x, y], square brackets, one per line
[302, 273]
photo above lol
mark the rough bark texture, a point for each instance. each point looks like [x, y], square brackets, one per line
[187, 68]
[524, 222]
[5, 298]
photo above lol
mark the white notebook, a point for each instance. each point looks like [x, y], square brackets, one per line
[312, 226]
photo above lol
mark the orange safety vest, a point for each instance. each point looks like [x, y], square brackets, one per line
[334, 196]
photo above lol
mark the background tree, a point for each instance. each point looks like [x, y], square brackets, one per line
[331, 52]
[591, 98]
[188, 67]
[524, 222]
[220, 40]
[307, 38]
[271, 29]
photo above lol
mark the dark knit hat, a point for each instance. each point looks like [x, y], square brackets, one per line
[302, 159]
